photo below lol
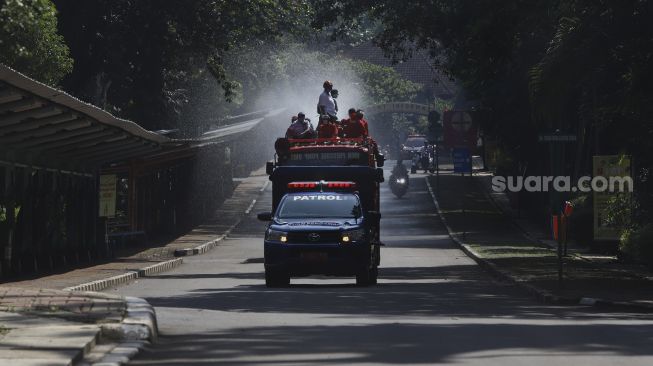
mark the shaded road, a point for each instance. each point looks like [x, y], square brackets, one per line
[432, 305]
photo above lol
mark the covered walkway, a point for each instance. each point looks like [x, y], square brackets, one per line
[77, 182]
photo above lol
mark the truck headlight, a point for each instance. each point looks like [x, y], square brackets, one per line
[275, 235]
[353, 235]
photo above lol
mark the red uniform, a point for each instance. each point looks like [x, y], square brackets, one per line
[353, 128]
[363, 121]
[327, 130]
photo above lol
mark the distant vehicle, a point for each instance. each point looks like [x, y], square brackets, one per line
[413, 144]
[325, 217]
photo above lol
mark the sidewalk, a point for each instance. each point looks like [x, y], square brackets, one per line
[44, 322]
[52, 327]
[153, 260]
[492, 236]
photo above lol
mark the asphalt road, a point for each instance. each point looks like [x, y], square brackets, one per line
[432, 305]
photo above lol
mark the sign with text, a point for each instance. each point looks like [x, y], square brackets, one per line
[107, 195]
[462, 160]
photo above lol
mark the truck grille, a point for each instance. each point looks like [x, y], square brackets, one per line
[314, 237]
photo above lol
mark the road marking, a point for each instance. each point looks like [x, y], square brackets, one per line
[264, 186]
[251, 206]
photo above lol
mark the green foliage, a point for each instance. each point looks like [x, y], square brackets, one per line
[294, 68]
[29, 41]
[384, 84]
[637, 243]
[619, 211]
[581, 66]
[4, 217]
[143, 59]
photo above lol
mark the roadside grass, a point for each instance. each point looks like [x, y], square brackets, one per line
[493, 237]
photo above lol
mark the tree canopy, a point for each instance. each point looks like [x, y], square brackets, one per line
[29, 41]
[138, 58]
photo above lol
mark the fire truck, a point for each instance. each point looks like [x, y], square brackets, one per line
[325, 216]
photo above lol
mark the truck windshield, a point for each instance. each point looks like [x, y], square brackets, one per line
[319, 205]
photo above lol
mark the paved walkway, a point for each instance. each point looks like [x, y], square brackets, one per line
[229, 213]
[478, 222]
[42, 325]
[52, 327]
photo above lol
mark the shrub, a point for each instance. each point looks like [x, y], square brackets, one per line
[637, 244]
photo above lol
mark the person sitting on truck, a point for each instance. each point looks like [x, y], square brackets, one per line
[352, 126]
[360, 115]
[326, 104]
[328, 127]
[301, 128]
[352, 115]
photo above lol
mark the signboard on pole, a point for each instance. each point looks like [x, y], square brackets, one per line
[459, 129]
[108, 195]
[607, 166]
[462, 160]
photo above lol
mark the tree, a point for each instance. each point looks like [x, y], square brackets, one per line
[29, 41]
[139, 59]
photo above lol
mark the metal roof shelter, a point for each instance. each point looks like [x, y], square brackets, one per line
[44, 127]
[54, 151]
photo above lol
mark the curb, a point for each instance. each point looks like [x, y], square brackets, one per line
[203, 248]
[540, 294]
[104, 283]
[137, 330]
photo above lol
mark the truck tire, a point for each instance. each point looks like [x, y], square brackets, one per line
[276, 279]
[367, 277]
[374, 275]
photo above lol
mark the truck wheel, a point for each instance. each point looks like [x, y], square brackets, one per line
[366, 277]
[374, 276]
[276, 279]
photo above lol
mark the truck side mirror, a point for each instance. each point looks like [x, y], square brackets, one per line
[380, 160]
[379, 175]
[269, 168]
[264, 216]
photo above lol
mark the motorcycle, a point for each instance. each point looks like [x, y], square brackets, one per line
[427, 161]
[399, 184]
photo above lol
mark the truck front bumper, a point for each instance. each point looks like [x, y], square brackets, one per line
[316, 259]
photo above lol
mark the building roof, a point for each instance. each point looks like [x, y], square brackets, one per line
[45, 127]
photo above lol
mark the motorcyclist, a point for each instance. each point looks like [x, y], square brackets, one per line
[326, 104]
[400, 169]
[301, 128]
[425, 156]
[399, 180]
